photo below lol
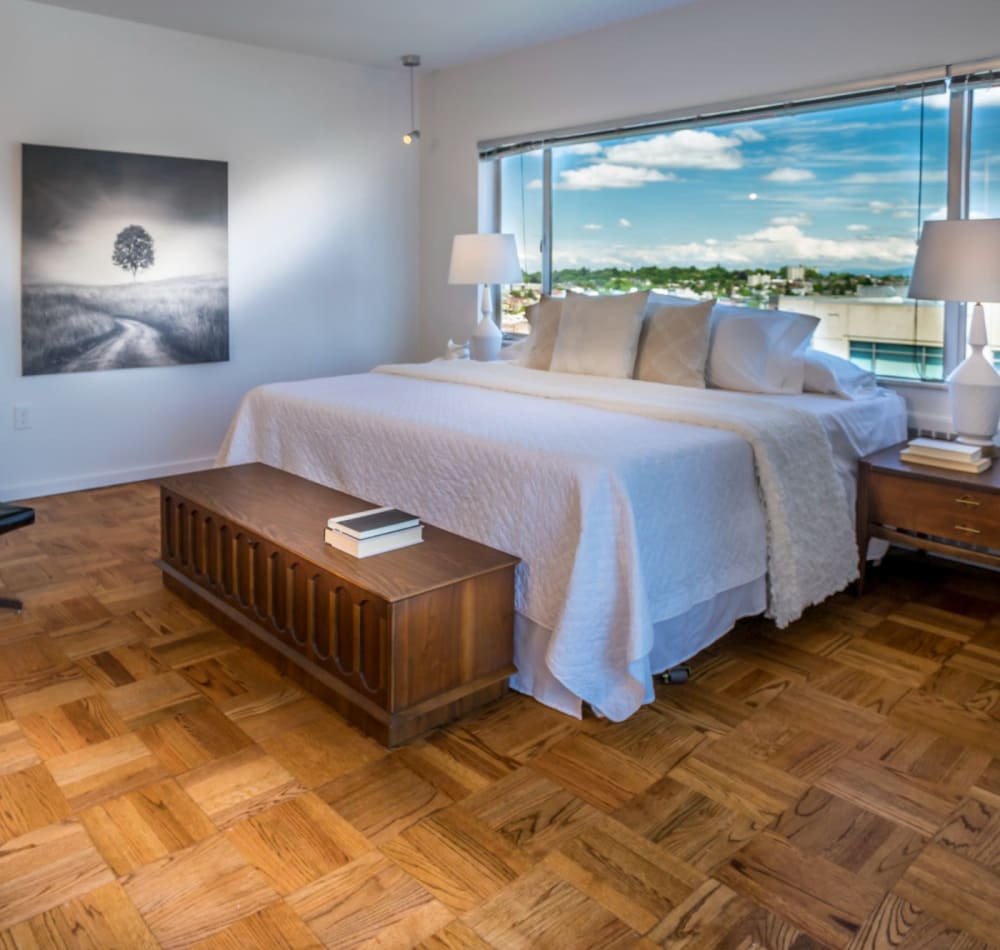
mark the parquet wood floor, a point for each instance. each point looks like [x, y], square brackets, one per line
[835, 784]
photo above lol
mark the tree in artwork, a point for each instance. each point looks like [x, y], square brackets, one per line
[133, 249]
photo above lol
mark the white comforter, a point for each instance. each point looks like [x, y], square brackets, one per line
[622, 519]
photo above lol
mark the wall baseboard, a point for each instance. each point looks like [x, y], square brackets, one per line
[60, 486]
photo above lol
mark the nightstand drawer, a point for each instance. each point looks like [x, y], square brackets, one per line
[956, 512]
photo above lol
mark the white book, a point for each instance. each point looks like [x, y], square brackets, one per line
[939, 448]
[366, 547]
[975, 467]
[373, 522]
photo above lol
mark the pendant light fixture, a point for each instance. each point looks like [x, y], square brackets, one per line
[411, 61]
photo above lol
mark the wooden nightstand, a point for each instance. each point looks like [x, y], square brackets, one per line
[928, 508]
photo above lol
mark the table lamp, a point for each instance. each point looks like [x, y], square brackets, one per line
[484, 259]
[960, 261]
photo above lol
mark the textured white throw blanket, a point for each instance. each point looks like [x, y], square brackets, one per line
[811, 544]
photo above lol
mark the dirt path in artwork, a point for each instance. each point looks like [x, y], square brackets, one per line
[136, 344]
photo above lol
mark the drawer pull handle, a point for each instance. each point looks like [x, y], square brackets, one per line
[967, 529]
[968, 500]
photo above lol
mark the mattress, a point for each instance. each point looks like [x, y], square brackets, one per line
[641, 540]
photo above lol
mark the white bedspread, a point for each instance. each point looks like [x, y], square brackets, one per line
[622, 519]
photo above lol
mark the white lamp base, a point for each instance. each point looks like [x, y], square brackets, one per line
[485, 342]
[974, 390]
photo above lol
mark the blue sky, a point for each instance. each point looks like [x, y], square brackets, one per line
[835, 190]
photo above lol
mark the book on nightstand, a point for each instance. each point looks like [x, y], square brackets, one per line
[952, 456]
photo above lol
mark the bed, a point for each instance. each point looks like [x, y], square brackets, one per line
[648, 517]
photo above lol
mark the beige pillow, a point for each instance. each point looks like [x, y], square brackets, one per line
[599, 336]
[673, 347]
[544, 319]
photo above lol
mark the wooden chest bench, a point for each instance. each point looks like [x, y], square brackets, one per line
[398, 643]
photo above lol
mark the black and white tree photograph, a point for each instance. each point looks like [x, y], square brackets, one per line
[125, 260]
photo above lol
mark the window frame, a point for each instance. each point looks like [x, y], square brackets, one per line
[960, 117]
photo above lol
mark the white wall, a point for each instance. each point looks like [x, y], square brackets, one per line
[710, 51]
[322, 241]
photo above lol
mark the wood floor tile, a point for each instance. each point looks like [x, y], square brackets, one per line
[196, 734]
[45, 868]
[184, 651]
[954, 889]
[593, 771]
[29, 799]
[105, 635]
[191, 894]
[689, 826]
[964, 726]
[370, 902]
[321, 750]
[814, 894]
[531, 812]
[456, 936]
[457, 762]
[638, 882]
[703, 921]
[266, 715]
[145, 825]
[520, 729]
[16, 752]
[65, 690]
[974, 832]
[541, 911]
[458, 859]
[121, 665]
[145, 701]
[897, 923]
[276, 927]
[650, 738]
[102, 919]
[867, 845]
[105, 770]
[75, 725]
[298, 841]
[237, 787]
[383, 798]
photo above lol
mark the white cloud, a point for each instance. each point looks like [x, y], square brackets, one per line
[584, 148]
[624, 223]
[609, 175]
[534, 185]
[879, 207]
[790, 176]
[748, 133]
[799, 220]
[593, 227]
[771, 246]
[687, 148]
[857, 228]
[891, 178]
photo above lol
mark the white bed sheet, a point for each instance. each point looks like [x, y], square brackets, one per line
[680, 501]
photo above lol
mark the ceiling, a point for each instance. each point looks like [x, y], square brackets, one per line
[377, 32]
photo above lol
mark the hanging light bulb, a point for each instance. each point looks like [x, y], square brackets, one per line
[411, 61]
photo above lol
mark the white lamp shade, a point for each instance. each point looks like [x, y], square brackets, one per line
[959, 261]
[484, 259]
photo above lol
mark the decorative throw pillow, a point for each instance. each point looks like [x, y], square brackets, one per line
[835, 376]
[758, 351]
[544, 319]
[673, 346]
[599, 336]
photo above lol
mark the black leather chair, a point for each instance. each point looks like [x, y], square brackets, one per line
[12, 517]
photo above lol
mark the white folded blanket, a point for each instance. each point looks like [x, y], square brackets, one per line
[811, 545]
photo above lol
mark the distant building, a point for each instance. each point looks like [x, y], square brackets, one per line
[796, 272]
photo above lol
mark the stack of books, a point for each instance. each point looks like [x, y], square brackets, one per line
[374, 531]
[954, 456]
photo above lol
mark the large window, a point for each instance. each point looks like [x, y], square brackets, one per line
[815, 209]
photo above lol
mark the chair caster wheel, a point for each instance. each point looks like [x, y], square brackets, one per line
[679, 674]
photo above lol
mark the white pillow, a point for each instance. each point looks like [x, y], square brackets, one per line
[599, 336]
[544, 319]
[758, 351]
[673, 345]
[826, 373]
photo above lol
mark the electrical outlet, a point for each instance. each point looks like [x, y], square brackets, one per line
[22, 417]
